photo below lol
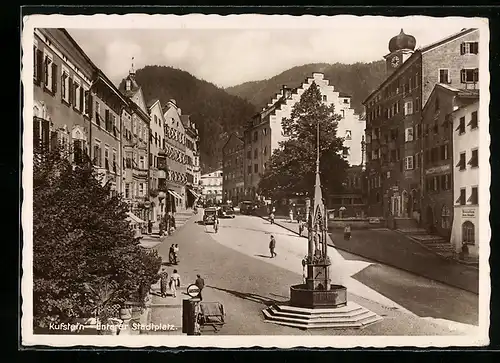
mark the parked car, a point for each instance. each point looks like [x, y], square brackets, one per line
[226, 211]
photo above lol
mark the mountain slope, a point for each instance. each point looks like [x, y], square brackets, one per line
[358, 80]
[215, 112]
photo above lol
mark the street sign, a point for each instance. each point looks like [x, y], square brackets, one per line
[147, 204]
[193, 290]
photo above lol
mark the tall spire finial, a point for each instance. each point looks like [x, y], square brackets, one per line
[132, 70]
[317, 148]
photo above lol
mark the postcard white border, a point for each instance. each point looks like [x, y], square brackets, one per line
[249, 21]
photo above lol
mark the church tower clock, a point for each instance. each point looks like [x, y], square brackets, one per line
[401, 48]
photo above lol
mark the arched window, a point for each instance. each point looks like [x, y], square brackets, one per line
[468, 233]
[445, 217]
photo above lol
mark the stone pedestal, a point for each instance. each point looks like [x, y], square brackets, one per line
[318, 276]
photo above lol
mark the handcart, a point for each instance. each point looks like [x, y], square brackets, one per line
[211, 314]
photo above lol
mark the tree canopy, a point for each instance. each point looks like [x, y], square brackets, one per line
[84, 253]
[292, 166]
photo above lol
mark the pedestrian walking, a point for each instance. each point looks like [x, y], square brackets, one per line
[347, 232]
[301, 227]
[163, 283]
[175, 282]
[216, 223]
[304, 264]
[171, 254]
[162, 227]
[465, 251]
[150, 226]
[272, 246]
[291, 215]
[271, 217]
[173, 222]
[200, 283]
[176, 254]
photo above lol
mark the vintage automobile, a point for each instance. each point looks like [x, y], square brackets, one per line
[247, 207]
[209, 215]
[226, 211]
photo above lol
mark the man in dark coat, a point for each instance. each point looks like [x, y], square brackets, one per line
[272, 246]
[200, 283]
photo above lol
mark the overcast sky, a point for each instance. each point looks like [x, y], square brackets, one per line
[227, 55]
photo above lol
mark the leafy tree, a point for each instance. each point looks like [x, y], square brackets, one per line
[292, 166]
[85, 258]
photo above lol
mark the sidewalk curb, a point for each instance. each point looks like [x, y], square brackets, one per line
[332, 244]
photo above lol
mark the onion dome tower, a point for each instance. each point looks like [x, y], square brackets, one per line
[401, 48]
[402, 41]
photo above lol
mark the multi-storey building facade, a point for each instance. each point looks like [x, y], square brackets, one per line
[265, 131]
[466, 163]
[211, 187]
[106, 139]
[192, 139]
[156, 143]
[61, 117]
[393, 116]
[174, 157]
[437, 144]
[232, 162]
[136, 125]
[75, 104]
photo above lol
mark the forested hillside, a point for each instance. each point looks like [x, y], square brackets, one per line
[215, 112]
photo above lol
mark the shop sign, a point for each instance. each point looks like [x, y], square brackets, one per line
[437, 169]
[468, 213]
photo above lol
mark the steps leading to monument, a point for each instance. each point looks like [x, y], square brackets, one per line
[350, 316]
[347, 318]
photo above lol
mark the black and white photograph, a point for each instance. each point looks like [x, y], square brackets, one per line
[255, 181]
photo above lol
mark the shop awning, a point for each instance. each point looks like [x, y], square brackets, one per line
[174, 194]
[133, 218]
[196, 195]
